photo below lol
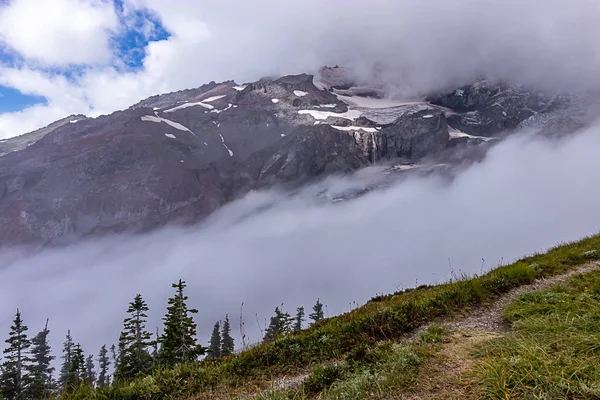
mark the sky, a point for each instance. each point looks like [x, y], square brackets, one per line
[93, 57]
[527, 195]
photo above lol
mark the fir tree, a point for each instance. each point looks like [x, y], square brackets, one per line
[155, 360]
[317, 314]
[40, 371]
[16, 359]
[178, 342]
[280, 324]
[90, 373]
[214, 346]
[77, 374]
[103, 364]
[227, 345]
[134, 342]
[67, 357]
[299, 318]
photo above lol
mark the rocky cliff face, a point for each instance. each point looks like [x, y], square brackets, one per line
[177, 157]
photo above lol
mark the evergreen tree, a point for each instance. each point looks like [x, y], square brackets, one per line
[299, 318]
[67, 357]
[16, 359]
[103, 364]
[76, 375]
[214, 346]
[317, 314]
[135, 341]
[41, 384]
[155, 360]
[178, 342]
[227, 345]
[90, 373]
[280, 324]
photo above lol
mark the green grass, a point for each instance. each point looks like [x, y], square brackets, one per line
[368, 372]
[382, 320]
[556, 351]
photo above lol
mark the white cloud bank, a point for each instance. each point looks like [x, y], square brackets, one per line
[526, 196]
[426, 44]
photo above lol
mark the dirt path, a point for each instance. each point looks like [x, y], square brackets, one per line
[446, 375]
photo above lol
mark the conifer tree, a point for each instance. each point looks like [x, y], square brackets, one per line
[76, 375]
[299, 318]
[178, 342]
[214, 346]
[67, 357]
[16, 359]
[90, 373]
[317, 314]
[280, 324]
[103, 364]
[227, 345]
[134, 342]
[41, 384]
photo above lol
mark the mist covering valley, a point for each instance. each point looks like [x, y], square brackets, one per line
[273, 246]
[270, 248]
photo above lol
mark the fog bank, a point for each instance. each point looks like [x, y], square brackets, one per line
[527, 195]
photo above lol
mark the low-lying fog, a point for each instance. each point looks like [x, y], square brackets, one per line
[529, 194]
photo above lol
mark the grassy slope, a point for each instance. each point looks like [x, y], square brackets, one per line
[354, 354]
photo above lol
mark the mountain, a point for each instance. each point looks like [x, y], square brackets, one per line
[177, 157]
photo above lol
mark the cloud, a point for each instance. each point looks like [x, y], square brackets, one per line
[425, 44]
[268, 248]
[60, 32]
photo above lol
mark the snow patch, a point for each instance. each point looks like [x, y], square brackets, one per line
[323, 115]
[403, 167]
[354, 128]
[75, 121]
[275, 101]
[459, 92]
[224, 145]
[220, 111]
[283, 135]
[214, 98]
[156, 108]
[176, 125]
[326, 105]
[428, 116]
[239, 88]
[186, 105]
[455, 133]
[300, 93]
[371, 102]
[180, 161]
[206, 144]
[169, 135]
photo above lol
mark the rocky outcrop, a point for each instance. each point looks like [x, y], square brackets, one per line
[486, 108]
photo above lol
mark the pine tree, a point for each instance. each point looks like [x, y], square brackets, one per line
[16, 359]
[178, 341]
[41, 384]
[155, 360]
[299, 318]
[214, 346]
[317, 314]
[77, 374]
[67, 357]
[134, 342]
[103, 364]
[280, 324]
[90, 373]
[227, 345]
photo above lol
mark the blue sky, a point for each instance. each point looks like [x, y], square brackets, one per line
[128, 45]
